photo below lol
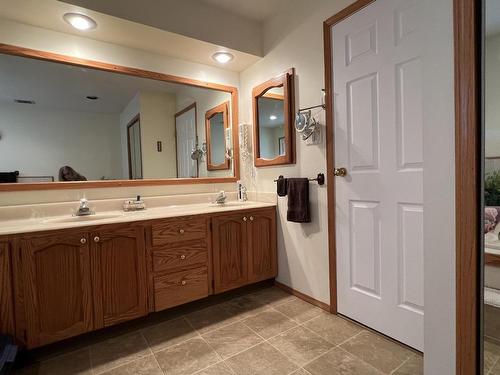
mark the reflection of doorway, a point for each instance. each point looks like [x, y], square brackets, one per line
[185, 141]
[134, 149]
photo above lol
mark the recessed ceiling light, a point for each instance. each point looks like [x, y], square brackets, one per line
[92, 97]
[272, 117]
[80, 21]
[222, 57]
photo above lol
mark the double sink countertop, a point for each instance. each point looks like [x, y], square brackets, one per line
[54, 216]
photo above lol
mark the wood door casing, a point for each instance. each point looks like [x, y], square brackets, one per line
[57, 286]
[6, 290]
[262, 264]
[230, 251]
[119, 275]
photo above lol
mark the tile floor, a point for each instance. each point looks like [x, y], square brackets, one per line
[266, 332]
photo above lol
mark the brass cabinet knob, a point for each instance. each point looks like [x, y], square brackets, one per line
[245, 218]
[340, 172]
[83, 241]
[183, 257]
[251, 218]
[183, 282]
[96, 239]
[181, 231]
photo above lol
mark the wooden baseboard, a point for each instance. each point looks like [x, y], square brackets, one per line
[303, 296]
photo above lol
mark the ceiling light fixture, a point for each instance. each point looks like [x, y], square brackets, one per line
[222, 57]
[80, 21]
[273, 117]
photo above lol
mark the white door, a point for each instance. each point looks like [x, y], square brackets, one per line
[185, 132]
[378, 138]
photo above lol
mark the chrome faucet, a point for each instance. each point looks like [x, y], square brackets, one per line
[221, 197]
[84, 208]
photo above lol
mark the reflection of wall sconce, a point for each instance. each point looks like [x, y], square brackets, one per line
[197, 153]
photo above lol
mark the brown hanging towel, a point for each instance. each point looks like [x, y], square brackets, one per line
[281, 186]
[298, 200]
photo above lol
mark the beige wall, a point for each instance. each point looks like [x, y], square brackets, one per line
[492, 93]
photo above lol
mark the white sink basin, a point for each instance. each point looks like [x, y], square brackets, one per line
[76, 219]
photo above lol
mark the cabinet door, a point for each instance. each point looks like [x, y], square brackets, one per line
[119, 275]
[230, 251]
[262, 263]
[57, 286]
[6, 292]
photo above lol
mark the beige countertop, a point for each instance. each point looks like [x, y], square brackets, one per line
[65, 221]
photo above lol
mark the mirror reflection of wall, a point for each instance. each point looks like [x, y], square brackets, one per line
[271, 123]
[491, 305]
[101, 125]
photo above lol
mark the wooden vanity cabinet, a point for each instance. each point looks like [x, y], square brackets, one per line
[244, 248]
[55, 274]
[6, 290]
[180, 255]
[119, 274]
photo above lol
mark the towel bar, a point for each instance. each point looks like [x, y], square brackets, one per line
[320, 179]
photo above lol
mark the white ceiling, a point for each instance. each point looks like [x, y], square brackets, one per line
[48, 14]
[65, 87]
[492, 17]
[256, 10]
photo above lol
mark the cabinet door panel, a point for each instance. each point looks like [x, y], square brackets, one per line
[262, 246]
[57, 287]
[230, 252]
[119, 273]
[6, 292]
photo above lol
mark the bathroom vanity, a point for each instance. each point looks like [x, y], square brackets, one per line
[61, 278]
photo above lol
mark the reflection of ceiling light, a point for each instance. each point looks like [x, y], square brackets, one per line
[272, 117]
[80, 21]
[222, 57]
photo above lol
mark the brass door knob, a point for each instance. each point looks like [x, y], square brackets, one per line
[83, 241]
[183, 282]
[245, 218]
[340, 172]
[251, 218]
[181, 231]
[96, 239]
[183, 257]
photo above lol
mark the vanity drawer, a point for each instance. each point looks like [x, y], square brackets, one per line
[181, 287]
[178, 229]
[180, 255]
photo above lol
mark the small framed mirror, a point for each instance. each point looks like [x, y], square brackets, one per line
[216, 128]
[273, 113]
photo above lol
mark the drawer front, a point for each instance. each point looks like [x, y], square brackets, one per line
[180, 255]
[180, 287]
[184, 229]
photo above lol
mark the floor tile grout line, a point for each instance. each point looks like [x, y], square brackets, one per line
[493, 365]
[126, 362]
[363, 361]
[152, 353]
[401, 365]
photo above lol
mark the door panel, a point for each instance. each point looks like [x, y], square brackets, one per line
[377, 77]
[185, 127]
[119, 274]
[57, 287]
[230, 252]
[262, 246]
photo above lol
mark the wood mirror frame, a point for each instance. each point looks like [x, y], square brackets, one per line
[7, 49]
[224, 109]
[285, 80]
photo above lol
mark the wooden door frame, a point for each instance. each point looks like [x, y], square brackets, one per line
[136, 119]
[467, 26]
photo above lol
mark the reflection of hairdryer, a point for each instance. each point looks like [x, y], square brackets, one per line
[197, 154]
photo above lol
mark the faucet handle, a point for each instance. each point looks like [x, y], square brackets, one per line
[84, 203]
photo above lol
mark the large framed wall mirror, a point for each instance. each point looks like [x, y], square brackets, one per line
[72, 123]
[273, 113]
[216, 129]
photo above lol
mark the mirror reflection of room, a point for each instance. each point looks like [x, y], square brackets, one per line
[492, 190]
[67, 123]
[271, 123]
